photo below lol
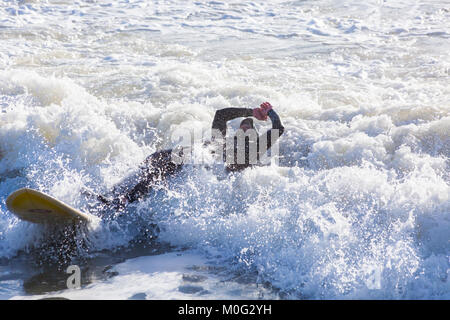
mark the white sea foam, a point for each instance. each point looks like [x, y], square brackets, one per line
[178, 275]
[359, 206]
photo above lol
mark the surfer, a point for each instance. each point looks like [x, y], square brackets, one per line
[237, 155]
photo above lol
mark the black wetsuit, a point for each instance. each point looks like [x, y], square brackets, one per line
[262, 144]
[155, 167]
[159, 165]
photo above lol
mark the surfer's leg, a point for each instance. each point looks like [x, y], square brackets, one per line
[155, 168]
[91, 195]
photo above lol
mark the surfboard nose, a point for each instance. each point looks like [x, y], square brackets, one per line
[37, 207]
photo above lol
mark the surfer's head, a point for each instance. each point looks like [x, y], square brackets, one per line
[246, 124]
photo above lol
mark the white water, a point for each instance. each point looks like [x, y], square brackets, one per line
[168, 276]
[359, 207]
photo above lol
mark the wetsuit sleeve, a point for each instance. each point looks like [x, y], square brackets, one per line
[271, 136]
[222, 116]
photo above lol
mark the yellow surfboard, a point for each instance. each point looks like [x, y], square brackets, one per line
[38, 207]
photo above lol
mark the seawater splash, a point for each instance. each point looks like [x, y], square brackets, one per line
[342, 232]
[359, 206]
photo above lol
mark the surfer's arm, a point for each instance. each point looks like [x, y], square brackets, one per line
[224, 115]
[276, 122]
[271, 136]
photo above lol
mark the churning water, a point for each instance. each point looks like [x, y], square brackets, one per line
[358, 206]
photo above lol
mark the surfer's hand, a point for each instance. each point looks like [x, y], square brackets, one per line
[259, 114]
[266, 107]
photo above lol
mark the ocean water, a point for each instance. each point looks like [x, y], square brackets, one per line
[356, 208]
